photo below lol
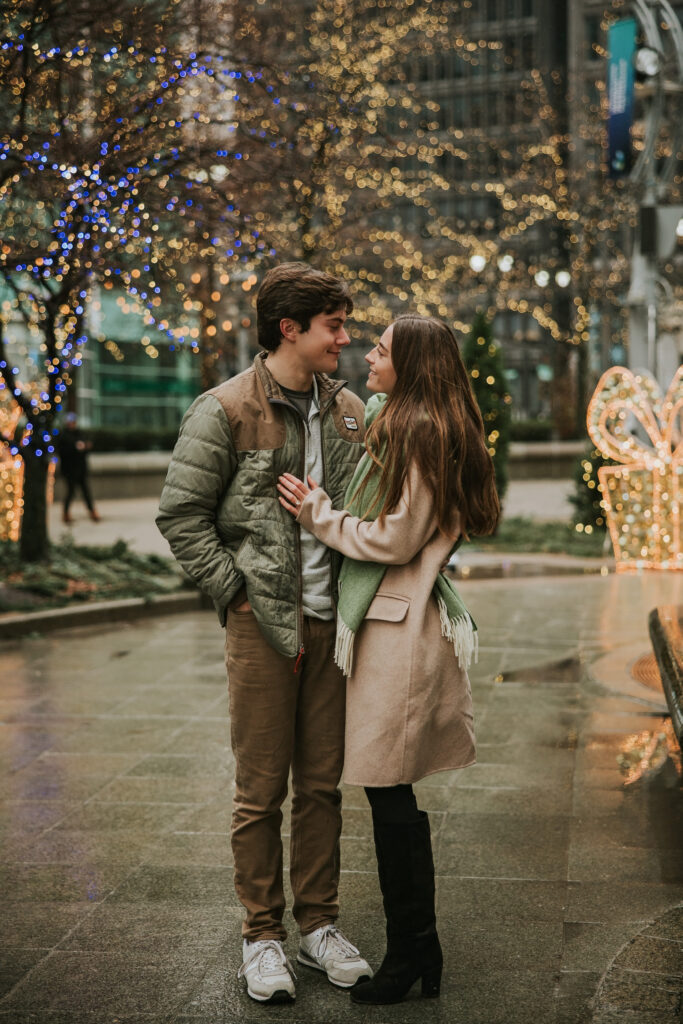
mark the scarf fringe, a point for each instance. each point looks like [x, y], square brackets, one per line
[343, 648]
[461, 634]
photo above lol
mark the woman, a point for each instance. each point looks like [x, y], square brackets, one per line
[426, 480]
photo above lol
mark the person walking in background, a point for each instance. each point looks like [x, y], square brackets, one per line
[73, 449]
[404, 637]
[273, 585]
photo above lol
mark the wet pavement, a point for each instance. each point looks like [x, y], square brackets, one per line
[132, 519]
[559, 887]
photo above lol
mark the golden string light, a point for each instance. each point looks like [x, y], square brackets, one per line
[11, 478]
[630, 422]
[347, 165]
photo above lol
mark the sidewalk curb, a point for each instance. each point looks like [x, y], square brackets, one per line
[492, 567]
[17, 624]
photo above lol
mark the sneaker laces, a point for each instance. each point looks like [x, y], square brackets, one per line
[337, 943]
[271, 958]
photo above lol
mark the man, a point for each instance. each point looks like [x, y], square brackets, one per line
[273, 585]
[73, 462]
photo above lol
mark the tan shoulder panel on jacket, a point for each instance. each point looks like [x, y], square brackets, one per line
[254, 423]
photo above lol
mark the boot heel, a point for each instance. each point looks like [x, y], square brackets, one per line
[431, 983]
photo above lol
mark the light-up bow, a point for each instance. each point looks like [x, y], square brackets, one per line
[641, 497]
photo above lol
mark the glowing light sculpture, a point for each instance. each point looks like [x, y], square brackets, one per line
[11, 490]
[642, 496]
[11, 479]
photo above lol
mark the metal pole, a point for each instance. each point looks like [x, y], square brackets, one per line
[643, 297]
[243, 360]
[652, 338]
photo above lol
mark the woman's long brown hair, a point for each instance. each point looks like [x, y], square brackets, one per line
[431, 418]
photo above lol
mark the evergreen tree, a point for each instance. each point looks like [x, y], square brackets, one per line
[587, 497]
[484, 362]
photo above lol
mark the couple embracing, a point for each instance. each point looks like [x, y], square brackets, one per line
[319, 528]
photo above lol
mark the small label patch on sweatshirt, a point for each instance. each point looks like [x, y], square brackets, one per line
[351, 423]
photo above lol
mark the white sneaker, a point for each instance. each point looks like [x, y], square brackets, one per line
[328, 950]
[268, 972]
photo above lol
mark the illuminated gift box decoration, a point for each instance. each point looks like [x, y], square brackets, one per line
[11, 490]
[11, 480]
[642, 496]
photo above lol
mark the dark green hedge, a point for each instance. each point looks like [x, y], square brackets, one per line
[107, 439]
[531, 430]
[587, 498]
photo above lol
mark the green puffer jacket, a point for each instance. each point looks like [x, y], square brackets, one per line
[219, 508]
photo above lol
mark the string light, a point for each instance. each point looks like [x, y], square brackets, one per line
[341, 110]
[328, 148]
[11, 477]
[642, 496]
[12, 473]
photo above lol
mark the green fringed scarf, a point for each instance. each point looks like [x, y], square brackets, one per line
[359, 581]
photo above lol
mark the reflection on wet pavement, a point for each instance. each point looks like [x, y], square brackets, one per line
[559, 854]
[566, 670]
[653, 754]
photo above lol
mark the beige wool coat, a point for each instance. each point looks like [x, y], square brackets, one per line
[408, 702]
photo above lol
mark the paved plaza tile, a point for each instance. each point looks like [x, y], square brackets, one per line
[559, 888]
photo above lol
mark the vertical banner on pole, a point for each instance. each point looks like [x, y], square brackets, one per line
[621, 45]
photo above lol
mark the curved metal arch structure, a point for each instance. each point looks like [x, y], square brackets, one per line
[669, 47]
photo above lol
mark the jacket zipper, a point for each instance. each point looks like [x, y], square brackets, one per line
[300, 582]
[323, 412]
[302, 428]
[333, 596]
[299, 598]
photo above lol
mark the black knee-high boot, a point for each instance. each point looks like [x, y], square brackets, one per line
[406, 877]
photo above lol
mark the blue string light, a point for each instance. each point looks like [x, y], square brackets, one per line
[100, 213]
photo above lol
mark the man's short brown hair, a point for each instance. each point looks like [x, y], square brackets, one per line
[296, 291]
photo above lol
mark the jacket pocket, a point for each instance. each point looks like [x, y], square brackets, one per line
[388, 608]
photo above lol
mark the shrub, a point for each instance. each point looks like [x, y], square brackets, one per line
[531, 430]
[587, 498]
[484, 361]
[112, 439]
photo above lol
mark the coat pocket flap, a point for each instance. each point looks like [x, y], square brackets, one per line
[389, 608]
